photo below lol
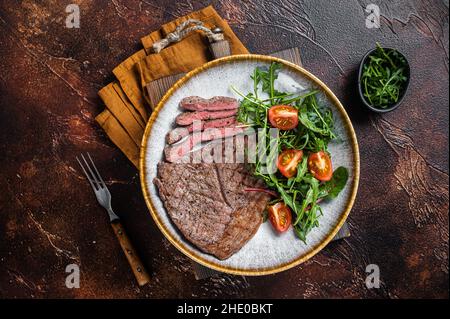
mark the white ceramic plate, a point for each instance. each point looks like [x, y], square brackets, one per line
[266, 252]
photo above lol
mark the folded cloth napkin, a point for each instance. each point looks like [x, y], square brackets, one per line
[127, 104]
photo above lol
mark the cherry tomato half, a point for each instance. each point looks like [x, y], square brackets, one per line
[319, 165]
[288, 161]
[283, 117]
[280, 216]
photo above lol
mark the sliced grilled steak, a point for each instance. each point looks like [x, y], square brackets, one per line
[208, 204]
[217, 103]
[188, 118]
[180, 132]
[174, 153]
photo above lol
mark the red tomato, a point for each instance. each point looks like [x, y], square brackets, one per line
[288, 161]
[283, 117]
[280, 216]
[319, 165]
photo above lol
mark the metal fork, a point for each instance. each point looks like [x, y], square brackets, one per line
[104, 199]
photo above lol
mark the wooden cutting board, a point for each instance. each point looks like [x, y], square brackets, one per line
[158, 88]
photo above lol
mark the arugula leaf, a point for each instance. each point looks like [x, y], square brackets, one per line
[310, 200]
[267, 77]
[300, 232]
[301, 171]
[333, 187]
[304, 119]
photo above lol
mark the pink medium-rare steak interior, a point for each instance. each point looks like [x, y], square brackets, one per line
[174, 153]
[178, 133]
[188, 118]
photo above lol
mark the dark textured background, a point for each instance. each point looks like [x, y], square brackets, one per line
[49, 76]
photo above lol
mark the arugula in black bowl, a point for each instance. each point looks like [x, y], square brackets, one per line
[383, 79]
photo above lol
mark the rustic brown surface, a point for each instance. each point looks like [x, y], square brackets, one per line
[48, 214]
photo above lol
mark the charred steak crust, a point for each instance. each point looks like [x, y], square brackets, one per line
[209, 206]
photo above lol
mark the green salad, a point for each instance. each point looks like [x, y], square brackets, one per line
[303, 175]
[384, 77]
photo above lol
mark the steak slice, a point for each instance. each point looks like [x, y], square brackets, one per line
[217, 103]
[188, 118]
[180, 132]
[233, 149]
[173, 153]
[209, 206]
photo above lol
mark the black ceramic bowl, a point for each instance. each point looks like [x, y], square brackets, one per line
[360, 90]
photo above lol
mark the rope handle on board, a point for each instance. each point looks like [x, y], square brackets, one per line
[181, 31]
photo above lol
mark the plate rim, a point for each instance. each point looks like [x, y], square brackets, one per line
[180, 245]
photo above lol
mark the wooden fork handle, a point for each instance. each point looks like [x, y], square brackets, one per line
[135, 262]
